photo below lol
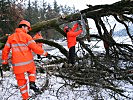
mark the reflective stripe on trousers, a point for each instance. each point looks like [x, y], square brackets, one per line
[21, 87]
[31, 74]
[22, 63]
[24, 91]
[32, 77]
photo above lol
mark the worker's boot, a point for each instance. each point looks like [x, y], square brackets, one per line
[34, 87]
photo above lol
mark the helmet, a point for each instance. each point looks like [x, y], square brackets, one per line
[26, 23]
[66, 28]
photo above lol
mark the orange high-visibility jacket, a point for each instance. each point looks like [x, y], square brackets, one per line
[38, 36]
[21, 45]
[71, 36]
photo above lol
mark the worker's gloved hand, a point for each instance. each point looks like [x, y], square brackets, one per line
[49, 56]
[38, 56]
[5, 67]
[45, 53]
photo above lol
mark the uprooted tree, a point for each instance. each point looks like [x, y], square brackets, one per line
[99, 71]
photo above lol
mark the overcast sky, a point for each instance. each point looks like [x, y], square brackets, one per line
[81, 4]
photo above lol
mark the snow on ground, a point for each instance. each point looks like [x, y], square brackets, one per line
[8, 89]
[9, 92]
[122, 40]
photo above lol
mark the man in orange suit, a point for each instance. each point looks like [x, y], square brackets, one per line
[71, 40]
[21, 45]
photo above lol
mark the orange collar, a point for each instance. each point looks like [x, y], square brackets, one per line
[17, 30]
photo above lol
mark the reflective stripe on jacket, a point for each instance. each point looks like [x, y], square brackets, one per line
[21, 45]
[71, 36]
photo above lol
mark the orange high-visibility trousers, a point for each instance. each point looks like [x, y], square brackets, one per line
[22, 82]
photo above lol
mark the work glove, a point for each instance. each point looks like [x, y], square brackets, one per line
[38, 56]
[49, 56]
[5, 67]
[45, 53]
